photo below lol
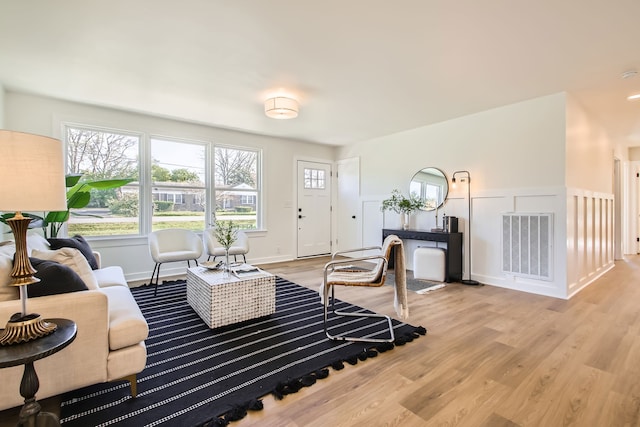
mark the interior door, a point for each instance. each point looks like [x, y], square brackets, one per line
[314, 208]
[348, 215]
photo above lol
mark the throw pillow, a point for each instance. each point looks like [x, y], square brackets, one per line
[71, 258]
[77, 242]
[54, 279]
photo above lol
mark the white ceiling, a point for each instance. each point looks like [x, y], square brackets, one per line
[359, 68]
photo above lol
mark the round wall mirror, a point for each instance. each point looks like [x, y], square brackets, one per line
[431, 185]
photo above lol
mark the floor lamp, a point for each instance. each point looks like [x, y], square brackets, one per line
[467, 176]
[31, 180]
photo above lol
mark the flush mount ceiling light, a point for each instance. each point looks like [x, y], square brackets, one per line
[281, 107]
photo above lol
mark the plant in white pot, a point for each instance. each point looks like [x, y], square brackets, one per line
[402, 205]
[226, 233]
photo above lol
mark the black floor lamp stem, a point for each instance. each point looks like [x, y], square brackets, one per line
[468, 281]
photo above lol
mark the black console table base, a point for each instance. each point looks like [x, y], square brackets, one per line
[453, 254]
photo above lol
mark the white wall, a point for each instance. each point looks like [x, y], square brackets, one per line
[40, 115]
[1, 106]
[516, 156]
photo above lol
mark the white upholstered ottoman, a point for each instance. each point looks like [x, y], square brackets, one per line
[429, 263]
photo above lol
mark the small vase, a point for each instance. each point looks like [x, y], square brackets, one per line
[227, 268]
[404, 219]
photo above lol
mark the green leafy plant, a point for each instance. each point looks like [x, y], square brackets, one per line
[78, 197]
[225, 232]
[398, 203]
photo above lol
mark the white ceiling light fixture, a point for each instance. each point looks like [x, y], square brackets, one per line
[281, 107]
[634, 97]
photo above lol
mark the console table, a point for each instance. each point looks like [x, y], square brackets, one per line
[27, 353]
[453, 254]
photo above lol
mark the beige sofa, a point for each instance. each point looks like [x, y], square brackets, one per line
[111, 331]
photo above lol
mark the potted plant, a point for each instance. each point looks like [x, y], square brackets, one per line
[402, 205]
[226, 233]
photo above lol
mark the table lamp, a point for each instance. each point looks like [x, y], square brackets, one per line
[31, 179]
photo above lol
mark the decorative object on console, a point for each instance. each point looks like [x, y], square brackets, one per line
[468, 281]
[281, 107]
[402, 205]
[32, 174]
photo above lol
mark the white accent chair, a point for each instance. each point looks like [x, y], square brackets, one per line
[173, 245]
[214, 249]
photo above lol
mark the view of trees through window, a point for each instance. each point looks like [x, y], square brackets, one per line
[178, 185]
[176, 191]
[105, 155]
[236, 186]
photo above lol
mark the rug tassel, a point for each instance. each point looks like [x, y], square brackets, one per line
[337, 365]
[321, 373]
[353, 360]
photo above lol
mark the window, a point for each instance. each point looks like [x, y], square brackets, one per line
[99, 154]
[187, 182]
[314, 178]
[178, 191]
[237, 186]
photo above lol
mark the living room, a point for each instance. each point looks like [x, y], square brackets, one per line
[541, 151]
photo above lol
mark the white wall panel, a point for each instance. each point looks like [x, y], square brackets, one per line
[589, 237]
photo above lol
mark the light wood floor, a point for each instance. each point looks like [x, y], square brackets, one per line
[492, 358]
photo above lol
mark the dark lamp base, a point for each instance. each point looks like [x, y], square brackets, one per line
[470, 282]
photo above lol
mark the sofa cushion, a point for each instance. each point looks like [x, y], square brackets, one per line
[72, 258]
[7, 293]
[127, 325]
[110, 276]
[54, 278]
[77, 242]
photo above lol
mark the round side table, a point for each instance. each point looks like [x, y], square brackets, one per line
[27, 353]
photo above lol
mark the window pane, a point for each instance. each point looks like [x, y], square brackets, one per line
[236, 186]
[236, 169]
[314, 178]
[178, 192]
[177, 163]
[101, 155]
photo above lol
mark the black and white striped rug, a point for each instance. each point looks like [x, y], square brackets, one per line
[196, 376]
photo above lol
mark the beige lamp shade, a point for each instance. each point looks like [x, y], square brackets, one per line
[32, 174]
[281, 107]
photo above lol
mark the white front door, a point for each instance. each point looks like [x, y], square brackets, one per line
[314, 208]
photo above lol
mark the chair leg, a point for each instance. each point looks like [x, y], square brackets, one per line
[157, 271]
[244, 258]
[347, 314]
